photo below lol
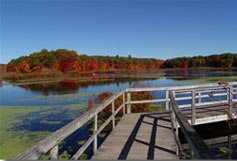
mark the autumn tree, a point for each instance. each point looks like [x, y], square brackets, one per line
[56, 65]
[66, 64]
[24, 66]
[68, 60]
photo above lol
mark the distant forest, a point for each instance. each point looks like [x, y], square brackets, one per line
[68, 60]
[227, 60]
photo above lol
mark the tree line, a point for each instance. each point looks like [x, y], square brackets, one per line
[228, 60]
[68, 60]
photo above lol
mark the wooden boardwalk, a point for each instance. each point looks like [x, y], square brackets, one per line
[140, 136]
[149, 135]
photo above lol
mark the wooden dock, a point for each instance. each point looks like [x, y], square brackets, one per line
[148, 136]
[140, 136]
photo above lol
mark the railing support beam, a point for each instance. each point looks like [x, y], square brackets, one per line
[230, 97]
[124, 103]
[128, 102]
[193, 107]
[95, 145]
[199, 97]
[113, 120]
[54, 153]
[167, 100]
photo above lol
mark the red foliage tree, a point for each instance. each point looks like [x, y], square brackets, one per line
[66, 64]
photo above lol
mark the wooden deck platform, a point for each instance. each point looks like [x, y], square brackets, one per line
[149, 135]
[208, 113]
[140, 136]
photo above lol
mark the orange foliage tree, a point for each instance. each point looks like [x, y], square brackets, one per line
[24, 66]
[56, 65]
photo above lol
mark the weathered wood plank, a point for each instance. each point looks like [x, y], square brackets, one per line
[140, 136]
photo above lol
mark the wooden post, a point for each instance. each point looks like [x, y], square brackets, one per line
[230, 97]
[175, 124]
[167, 100]
[193, 107]
[95, 129]
[177, 134]
[199, 97]
[54, 153]
[174, 119]
[124, 103]
[113, 120]
[128, 103]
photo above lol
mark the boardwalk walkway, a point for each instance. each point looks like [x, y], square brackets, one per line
[140, 136]
[149, 135]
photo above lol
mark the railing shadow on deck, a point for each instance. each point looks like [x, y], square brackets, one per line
[152, 143]
[196, 94]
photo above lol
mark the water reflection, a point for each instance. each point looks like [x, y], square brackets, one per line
[200, 73]
[72, 87]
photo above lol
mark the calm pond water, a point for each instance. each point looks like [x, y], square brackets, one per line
[55, 104]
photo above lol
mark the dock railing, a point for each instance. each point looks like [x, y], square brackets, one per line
[197, 145]
[51, 143]
[193, 92]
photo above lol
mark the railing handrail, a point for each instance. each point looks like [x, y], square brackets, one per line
[196, 143]
[150, 89]
[51, 141]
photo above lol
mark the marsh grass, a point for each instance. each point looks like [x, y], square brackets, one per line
[32, 76]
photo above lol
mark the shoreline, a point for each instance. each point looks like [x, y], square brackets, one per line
[48, 77]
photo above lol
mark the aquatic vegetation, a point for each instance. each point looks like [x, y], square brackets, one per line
[81, 142]
[226, 150]
[83, 157]
[13, 142]
[22, 127]
[64, 156]
[64, 99]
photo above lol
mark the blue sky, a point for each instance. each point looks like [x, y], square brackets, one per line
[143, 28]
